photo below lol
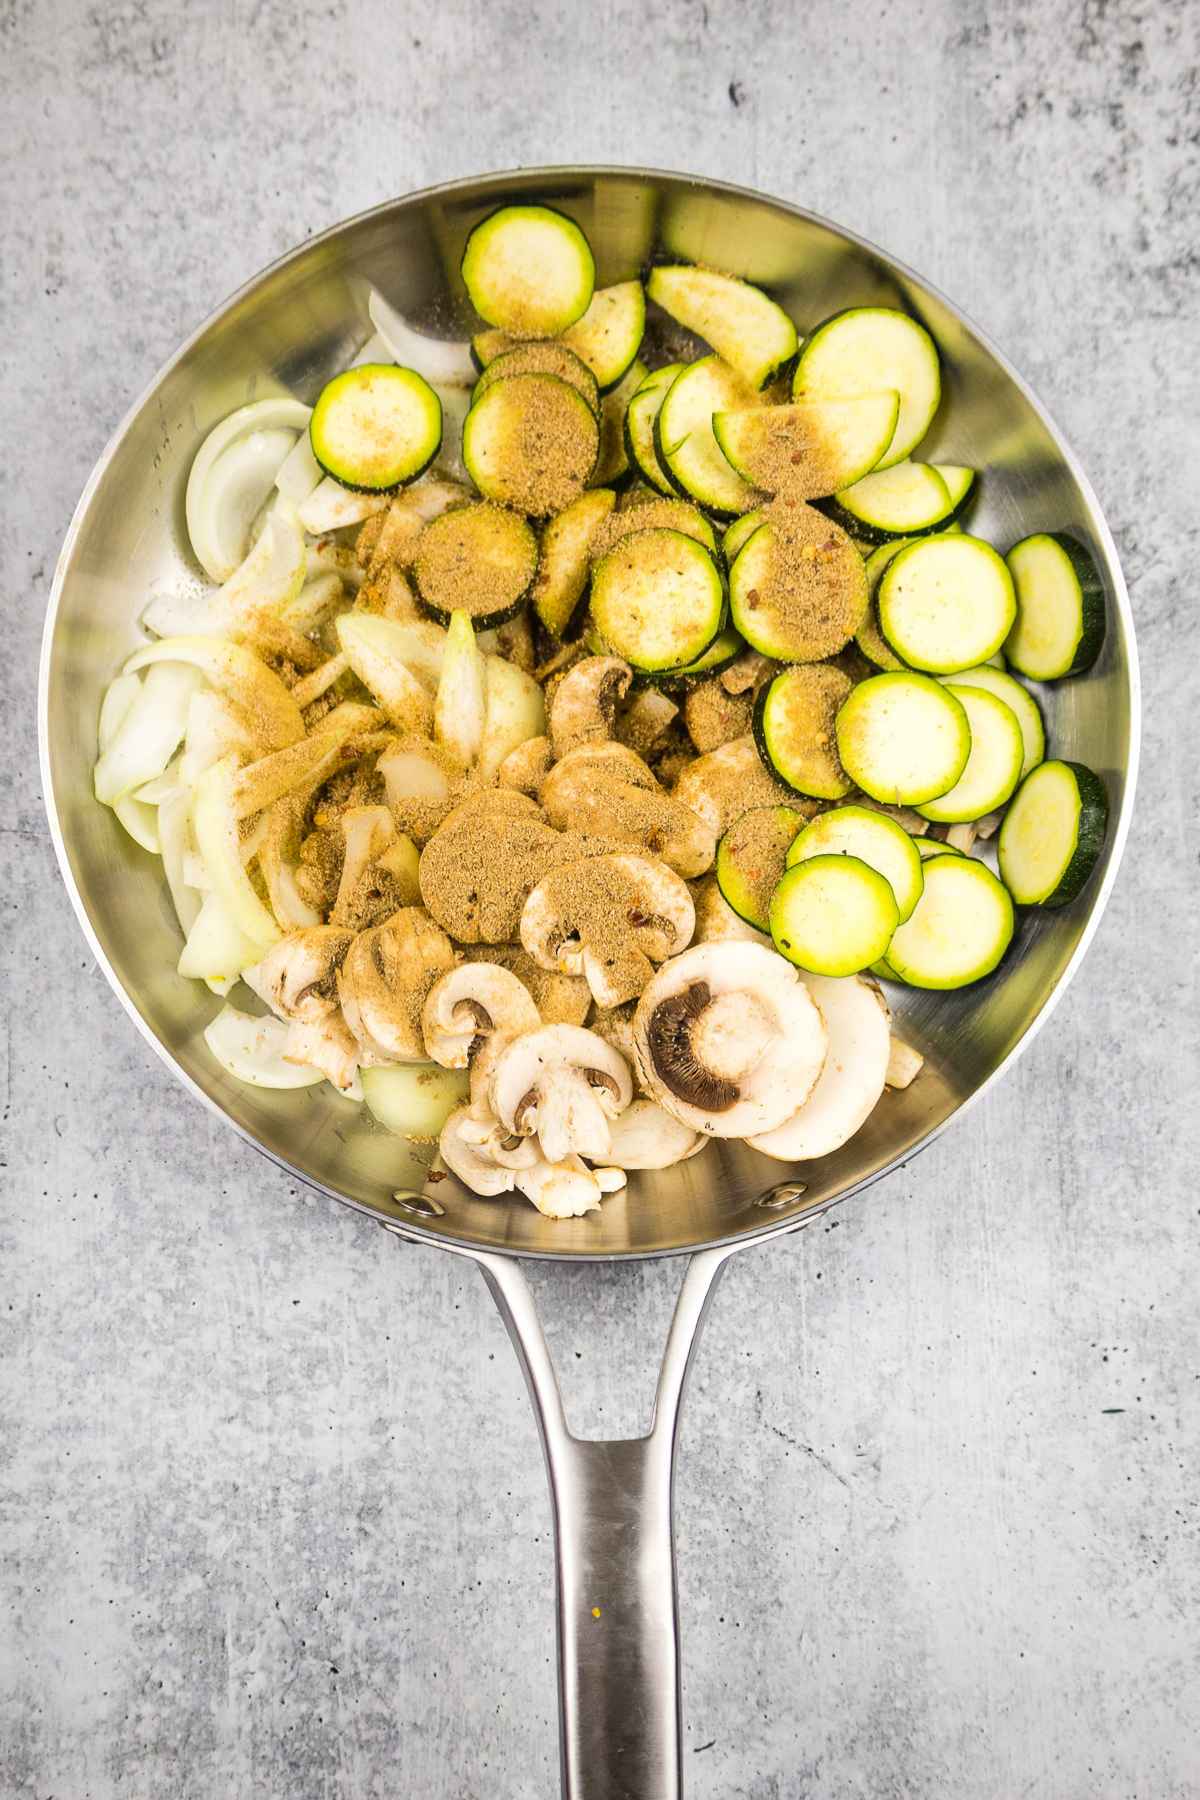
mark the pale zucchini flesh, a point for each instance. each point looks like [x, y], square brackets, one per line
[1018, 698]
[993, 766]
[946, 603]
[833, 915]
[529, 270]
[903, 738]
[686, 446]
[658, 599]
[640, 417]
[908, 499]
[962, 926]
[874, 839]
[741, 323]
[867, 348]
[565, 558]
[1060, 608]
[813, 447]
[1052, 834]
[376, 426]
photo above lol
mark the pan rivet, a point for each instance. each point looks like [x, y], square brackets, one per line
[419, 1206]
[782, 1196]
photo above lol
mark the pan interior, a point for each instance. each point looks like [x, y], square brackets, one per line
[288, 331]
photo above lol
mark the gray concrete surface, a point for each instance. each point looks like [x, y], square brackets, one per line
[273, 1510]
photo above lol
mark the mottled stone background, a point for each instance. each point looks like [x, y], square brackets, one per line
[273, 1508]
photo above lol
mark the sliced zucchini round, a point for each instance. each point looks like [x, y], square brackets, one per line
[908, 500]
[609, 335]
[794, 727]
[640, 415]
[738, 533]
[544, 357]
[479, 560]
[1060, 621]
[564, 560]
[683, 435]
[903, 738]
[531, 442]
[993, 767]
[929, 847]
[815, 446]
[751, 858]
[1053, 834]
[1018, 699]
[798, 588]
[613, 467]
[375, 426]
[962, 925]
[946, 603]
[529, 270]
[649, 515]
[867, 348]
[874, 839]
[658, 599]
[960, 483]
[724, 650]
[742, 324]
[874, 645]
[833, 915]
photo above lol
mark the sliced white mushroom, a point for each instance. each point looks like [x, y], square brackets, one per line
[728, 781]
[464, 1156]
[383, 981]
[848, 1087]
[609, 918]
[325, 1044]
[645, 719]
[466, 1005]
[590, 794]
[583, 709]
[716, 919]
[298, 976]
[527, 767]
[729, 1038]
[567, 1189]
[564, 1083]
[647, 1136]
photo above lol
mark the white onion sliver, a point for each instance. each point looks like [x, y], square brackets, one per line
[442, 361]
[139, 820]
[331, 506]
[149, 733]
[300, 472]
[211, 487]
[251, 1049]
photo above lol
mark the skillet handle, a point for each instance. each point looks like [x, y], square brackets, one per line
[618, 1616]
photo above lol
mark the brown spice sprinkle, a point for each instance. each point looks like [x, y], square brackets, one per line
[758, 844]
[542, 357]
[714, 717]
[808, 697]
[785, 452]
[478, 868]
[650, 515]
[478, 559]
[814, 581]
[725, 783]
[561, 999]
[541, 443]
[603, 904]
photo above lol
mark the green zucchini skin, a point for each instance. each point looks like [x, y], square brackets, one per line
[1090, 833]
[720, 655]
[1093, 610]
[867, 533]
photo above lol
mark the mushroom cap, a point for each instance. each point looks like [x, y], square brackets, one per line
[386, 974]
[560, 999]
[647, 1136]
[526, 767]
[567, 1189]
[468, 1003]
[326, 1044]
[731, 779]
[572, 774]
[858, 1023]
[583, 793]
[298, 975]
[480, 864]
[611, 918]
[583, 709]
[564, 1083]
[464, 1158]
[728, 1038]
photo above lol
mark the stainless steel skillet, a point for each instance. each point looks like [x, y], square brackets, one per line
[288, 330]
